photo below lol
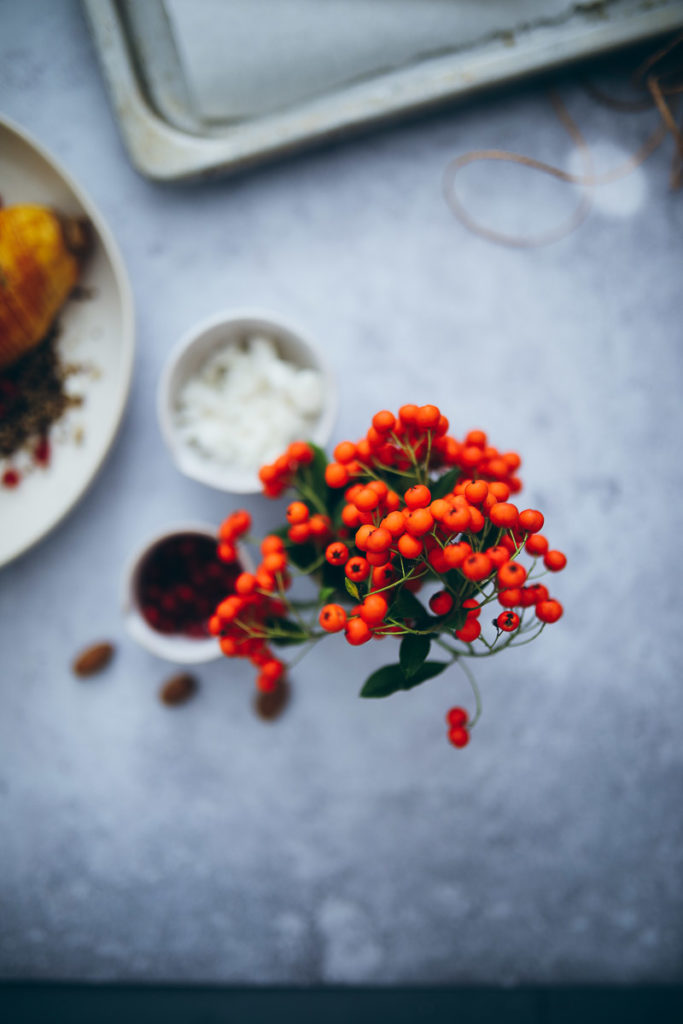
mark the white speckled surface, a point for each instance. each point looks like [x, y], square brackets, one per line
[348, 842]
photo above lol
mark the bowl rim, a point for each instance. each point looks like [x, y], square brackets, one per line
[273, 324]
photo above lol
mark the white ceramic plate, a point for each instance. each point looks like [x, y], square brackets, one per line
[96, 332]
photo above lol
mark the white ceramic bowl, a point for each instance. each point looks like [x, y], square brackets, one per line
[182, 650]
[191, 353]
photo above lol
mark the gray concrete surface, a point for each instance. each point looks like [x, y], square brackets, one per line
[348, 842]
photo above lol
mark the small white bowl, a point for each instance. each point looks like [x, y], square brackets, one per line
[182, 650]
[191, 353]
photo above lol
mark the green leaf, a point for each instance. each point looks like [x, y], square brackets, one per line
[444, 484]
[390, 679]
[317, 470]
[286, 625]
[407, 606]
[302, 555]
[412, 653]
[352, 588]
[325, 594]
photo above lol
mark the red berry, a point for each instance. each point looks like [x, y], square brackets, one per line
[508, 621]
[459, 737]
[457, 717]
[549, 611]
[441, 602]
[332, 618]
[554, 560]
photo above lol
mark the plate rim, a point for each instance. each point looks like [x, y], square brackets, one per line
[128, 339]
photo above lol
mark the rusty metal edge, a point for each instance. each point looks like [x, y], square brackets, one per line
[164, 153]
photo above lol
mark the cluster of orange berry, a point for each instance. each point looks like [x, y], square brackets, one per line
[244, 619]
[405, 507]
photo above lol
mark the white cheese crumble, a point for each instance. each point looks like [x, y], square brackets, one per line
[245, 404]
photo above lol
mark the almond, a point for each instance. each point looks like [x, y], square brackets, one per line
[93, 659]
[178, 689]
[271, 705]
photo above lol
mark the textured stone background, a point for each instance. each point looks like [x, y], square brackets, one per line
[349, 842]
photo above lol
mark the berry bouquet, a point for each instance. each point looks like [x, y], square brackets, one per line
[409, 534]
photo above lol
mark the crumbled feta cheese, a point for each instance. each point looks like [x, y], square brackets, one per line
[245, 404]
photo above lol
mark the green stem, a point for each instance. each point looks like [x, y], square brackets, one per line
[475, 690]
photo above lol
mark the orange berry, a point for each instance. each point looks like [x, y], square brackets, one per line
[357, 631]
[437, 560]
[379, 487]
[376, 558]
[245, 583]
[297, 512]
[504, 514]
[272, 543]
[227, 552]
[332, 618]
[549, 611]
[499, 489]
[319, 525]
[382, 576]
[299, 533]
[477, 566]
[363, 450]
[419, 521]
[384, 421]
[391, 501]
[476, 437]
[554, 560]
[379, 540]
[350, 516]
[300, 452]
[510, 597]
[407, 414]
[345, 452]
[441, 602]
[537, 544]
[265, 580]
[456, 520]
[374, 609]
[362, 534]
[275, 562]
[470, 456]
[357, 569]
[439, 508]
[530, 520]
[477, 520]
[511, 574]
[336, 475]
[228, 646]
[476, 491]
[337, 553]
[228, 609]
[417, 496]
[428, 417]
[395, 523]
[410, 547]
[375, 439]
[455, 554]
[366, 500]
[498, 555]
[469, 632]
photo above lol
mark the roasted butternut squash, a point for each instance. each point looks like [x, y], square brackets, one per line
[41, 254]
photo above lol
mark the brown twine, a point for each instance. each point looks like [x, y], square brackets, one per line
[660, 87]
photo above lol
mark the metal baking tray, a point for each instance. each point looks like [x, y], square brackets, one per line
[203, 87]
